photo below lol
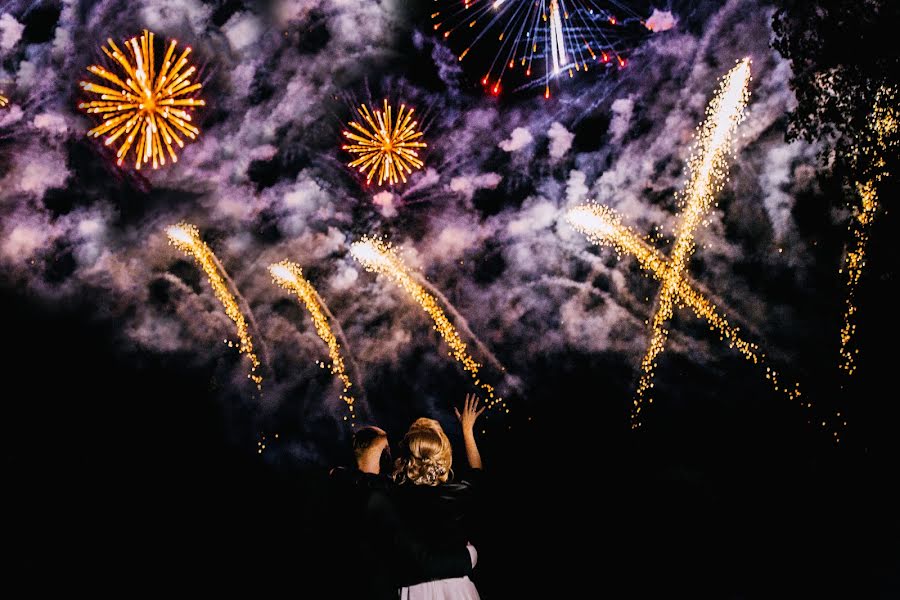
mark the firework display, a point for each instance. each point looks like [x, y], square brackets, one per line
[883, 141]
[186, 238]
[386, 145]
[289, 275]
[146, 92]
[708, 167]
[603, 227]
[319, 288]
[147, 102]
[378, 256]
[541, 38]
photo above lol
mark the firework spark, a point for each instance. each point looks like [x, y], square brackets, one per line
[186, 238]
[708, 167]
[565, 35]
[386, 146]
[150, 105]
[377, 256]
[602, 226]
[883, 141]
[289, 275]
[3, 100]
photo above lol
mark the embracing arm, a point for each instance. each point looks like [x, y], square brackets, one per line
[467, 419]
[413, 560]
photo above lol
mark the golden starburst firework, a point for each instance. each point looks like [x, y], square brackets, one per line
[186, 238]
[377, 256]
[289, 275]
[387, 146]
[149, 105]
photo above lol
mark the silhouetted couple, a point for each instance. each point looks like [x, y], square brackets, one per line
[410, 526]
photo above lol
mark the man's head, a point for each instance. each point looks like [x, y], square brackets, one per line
[368, 445]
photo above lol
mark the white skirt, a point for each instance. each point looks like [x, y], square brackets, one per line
[457, 588]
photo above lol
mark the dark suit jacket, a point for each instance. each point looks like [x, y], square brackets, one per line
[385, 551]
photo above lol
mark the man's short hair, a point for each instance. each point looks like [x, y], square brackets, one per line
[364, 437]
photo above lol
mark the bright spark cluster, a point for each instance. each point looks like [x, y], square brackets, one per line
[186, 238]
[387, 147]
[262, 443]
[289, 275]
[377, 256]
[3, 100]
[708, 172]
[548, 36]
[883, 142]
[708, 168]
[149, 105]
[602, 226]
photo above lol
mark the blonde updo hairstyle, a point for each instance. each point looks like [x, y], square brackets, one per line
[425, 454]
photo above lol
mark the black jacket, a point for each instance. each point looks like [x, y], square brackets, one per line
[439, 516]
[387, 550]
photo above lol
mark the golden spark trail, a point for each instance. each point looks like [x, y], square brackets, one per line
[186, 238]
[602, 226]
[149, 105]
[379, 257]
[289, 275]
[3, 100]
[461, 322]
[386, 146]
[708, 170]
[884, 127]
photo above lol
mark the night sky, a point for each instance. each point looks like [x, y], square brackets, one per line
[130, 432]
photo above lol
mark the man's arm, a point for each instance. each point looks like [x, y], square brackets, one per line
[416, 561]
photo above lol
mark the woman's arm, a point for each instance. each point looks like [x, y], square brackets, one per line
[467, 419]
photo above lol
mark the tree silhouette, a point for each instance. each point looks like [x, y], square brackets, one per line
[844, 53]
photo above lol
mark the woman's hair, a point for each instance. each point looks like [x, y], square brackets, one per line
[425, 454]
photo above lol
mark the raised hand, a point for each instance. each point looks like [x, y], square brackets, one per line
[467, 419]
[470, 413]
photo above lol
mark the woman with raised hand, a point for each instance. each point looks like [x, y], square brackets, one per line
[436, 504]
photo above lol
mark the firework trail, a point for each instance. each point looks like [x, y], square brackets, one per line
[150, 103]
[557, 38]
[379, 257]
[567, 36]
[386, 146]
[708, 169]
[883, 141]
[289, 275]
[186, 238]
[602, 226]
[461, 322]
